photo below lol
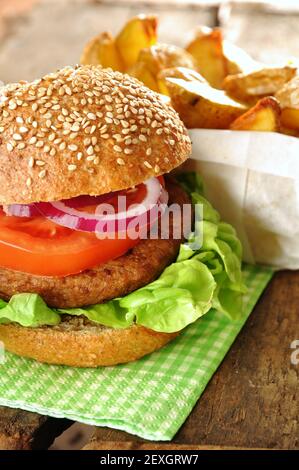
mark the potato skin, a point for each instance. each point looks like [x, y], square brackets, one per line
[201, 106]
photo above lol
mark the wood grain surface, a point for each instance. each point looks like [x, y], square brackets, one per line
[21, 430]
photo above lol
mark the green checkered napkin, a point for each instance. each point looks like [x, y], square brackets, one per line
[151, 397]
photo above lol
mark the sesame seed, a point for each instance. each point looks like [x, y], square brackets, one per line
[51, 137]
[90, 158]
[92, 129]
[31, 162]
[79, 155]
[17, 137]
[147, 164]
[105, 136]
[157, 168]
[52, 152]
[148, 151]
[40, 162]
[94, 140]
[73, 147]
[91, 116]
[72, 167]
[90, 150]
[117, 148]
[128, 151]
[172, 142]
[120, 161]
[62, 146]
[142, 138]
[1, 129]
[34, 106]
[9, 147]
[42, 174]
[75, 127]
[47, 148]
[28, 182]
[32, 140]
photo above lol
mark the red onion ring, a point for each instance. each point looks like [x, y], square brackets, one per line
[21, 210]
[65, 212]
[62, 213]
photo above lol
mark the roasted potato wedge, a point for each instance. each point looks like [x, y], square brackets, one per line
[141, 71]
[164, 56]
[238, 61]
[251, 87]
[178, 72]
[138, 33]
[207, 50]
[152, 60]
[288, 97]
[290, 118]
[182, 72]
[264, 116]
[101, 50]
[201, 106]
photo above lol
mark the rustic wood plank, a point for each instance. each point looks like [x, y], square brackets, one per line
[251, 402]
[22, 430]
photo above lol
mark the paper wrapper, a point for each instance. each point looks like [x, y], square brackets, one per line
[252, 178]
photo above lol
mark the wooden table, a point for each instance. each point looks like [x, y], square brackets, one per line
[251, 402]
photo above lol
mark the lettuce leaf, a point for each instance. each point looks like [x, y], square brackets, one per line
[207, 274]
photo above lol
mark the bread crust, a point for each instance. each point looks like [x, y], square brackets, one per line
[86, 347]
[84, 130]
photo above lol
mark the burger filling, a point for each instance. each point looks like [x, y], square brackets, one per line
[66, 237]
[52, 241]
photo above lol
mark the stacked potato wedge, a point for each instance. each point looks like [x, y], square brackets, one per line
[211, 82]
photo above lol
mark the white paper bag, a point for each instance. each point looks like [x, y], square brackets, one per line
[252, 178]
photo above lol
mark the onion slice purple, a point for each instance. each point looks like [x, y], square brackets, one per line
[105, 220]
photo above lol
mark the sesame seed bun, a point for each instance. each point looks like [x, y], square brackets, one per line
[77, 342]
[84, 130]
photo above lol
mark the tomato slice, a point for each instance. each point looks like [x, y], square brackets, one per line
[38, 246]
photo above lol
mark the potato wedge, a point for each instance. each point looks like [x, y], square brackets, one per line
[288, 97]
[152, 60]
[264, 116]
[249, 88]
[101, 50]
[207, 50]
[290, 118]
[141, 71]
[182, 72]
[164, 56]
[238, 61]
[138, 33]
[178, 72]
[201, 106]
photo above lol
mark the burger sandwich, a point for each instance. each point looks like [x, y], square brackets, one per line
[85, 281]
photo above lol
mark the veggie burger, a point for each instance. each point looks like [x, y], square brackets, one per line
[70, 143]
